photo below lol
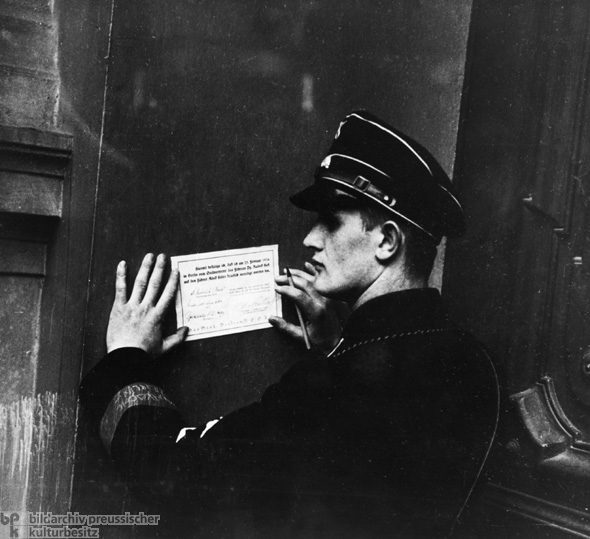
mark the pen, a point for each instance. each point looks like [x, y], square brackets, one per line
[299, 315]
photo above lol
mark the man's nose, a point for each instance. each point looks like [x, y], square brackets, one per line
[313, 240]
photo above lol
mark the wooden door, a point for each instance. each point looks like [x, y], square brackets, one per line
[215, 112]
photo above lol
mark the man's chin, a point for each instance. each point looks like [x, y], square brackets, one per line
[329, 292]
[322, 288]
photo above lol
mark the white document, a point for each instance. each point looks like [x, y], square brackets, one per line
[225, 292]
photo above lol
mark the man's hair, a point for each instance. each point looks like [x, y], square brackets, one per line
[420, 249]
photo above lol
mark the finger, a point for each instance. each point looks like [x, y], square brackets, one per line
[142, 278]
[286, 327]
[174, 340]
[121, 283]
[311, 269]
[155, 280]
[168, 293]
[309, 287]
[301, 280]
[297, 273]
[282, 280]
[302, 299]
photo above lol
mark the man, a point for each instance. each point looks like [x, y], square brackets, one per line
[387, 434]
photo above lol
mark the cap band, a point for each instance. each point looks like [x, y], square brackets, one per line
[359, 183]
[364, 186]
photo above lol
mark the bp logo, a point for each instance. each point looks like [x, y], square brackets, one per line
[13, 525]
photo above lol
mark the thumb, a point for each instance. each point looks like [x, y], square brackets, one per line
[174, 340]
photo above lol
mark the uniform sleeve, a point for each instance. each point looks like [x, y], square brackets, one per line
[163, 458]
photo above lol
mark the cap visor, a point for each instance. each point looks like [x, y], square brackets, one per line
[312, 198]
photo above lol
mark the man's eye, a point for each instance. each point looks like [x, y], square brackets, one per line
[329, 220]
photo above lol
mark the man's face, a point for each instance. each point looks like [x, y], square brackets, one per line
[343, 254]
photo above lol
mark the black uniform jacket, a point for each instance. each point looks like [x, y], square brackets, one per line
[385, 437]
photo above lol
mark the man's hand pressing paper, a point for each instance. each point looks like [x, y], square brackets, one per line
[137, 321]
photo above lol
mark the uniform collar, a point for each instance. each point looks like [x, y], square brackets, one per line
[398, 312]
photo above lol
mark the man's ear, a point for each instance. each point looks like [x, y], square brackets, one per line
[391, 242]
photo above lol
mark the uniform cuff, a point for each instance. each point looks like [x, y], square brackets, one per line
[117, 370]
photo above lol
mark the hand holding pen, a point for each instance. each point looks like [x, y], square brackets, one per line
[299, 315]
[318, 325]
